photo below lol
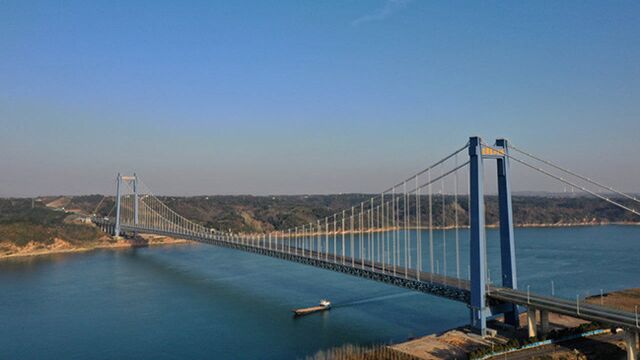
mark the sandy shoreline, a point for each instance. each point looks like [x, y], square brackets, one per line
[67, 248]
[452, 227]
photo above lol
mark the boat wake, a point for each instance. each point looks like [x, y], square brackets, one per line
[375, 299]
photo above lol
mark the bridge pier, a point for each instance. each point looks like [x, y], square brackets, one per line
[532, 325]
[631, 342]
[544, 322]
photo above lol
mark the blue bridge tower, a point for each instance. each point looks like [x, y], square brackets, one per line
[478, 247]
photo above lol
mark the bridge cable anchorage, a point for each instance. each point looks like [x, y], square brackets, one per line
[563, 180]
[582, 177]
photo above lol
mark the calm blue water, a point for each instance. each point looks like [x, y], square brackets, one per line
[199, 301]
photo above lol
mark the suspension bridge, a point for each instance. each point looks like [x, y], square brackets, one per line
[390, 237]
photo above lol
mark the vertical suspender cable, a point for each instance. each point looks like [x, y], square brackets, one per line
[431, 264]
[405, 208]
[335, 237]
[351, 245]
[369, 218]
[393, 228]
[398, 233]
[383, 232]
[418, 232]
[326, 238]
[318, 240]
[444, 227]
[361, 240]
[342, 230]
[371, 236]
[456, 206]
[377, 234]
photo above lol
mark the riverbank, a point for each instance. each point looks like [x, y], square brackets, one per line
[459, 343]
[60, 246]
[376, 230]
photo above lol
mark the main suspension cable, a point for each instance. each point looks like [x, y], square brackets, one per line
[582, 177]
[563, 180]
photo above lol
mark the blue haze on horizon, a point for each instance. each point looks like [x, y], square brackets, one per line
[293, 97]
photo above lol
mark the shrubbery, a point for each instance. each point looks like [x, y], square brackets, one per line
[516, 344]
[355, 352]
[20, 224]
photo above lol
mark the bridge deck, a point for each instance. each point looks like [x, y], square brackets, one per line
[435, 284]
[566, 307]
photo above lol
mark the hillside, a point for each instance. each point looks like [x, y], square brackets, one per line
[53, 224]
[264, 213]
[32, 227]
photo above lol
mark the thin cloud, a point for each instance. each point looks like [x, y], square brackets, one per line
[390, 7]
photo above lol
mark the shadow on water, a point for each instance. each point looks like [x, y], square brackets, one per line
[221, 287]
[212, 286]
[327, 329]
[199, 281]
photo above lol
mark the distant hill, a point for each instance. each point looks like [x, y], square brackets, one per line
[264, 213]
[23, 221]
[54, 222]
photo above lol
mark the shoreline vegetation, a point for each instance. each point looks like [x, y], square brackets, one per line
[51, 225]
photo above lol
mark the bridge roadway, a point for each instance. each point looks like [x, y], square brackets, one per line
[435, 284]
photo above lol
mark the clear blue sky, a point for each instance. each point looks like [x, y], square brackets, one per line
[224, 97]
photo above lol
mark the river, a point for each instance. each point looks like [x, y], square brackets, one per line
[202, 302]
